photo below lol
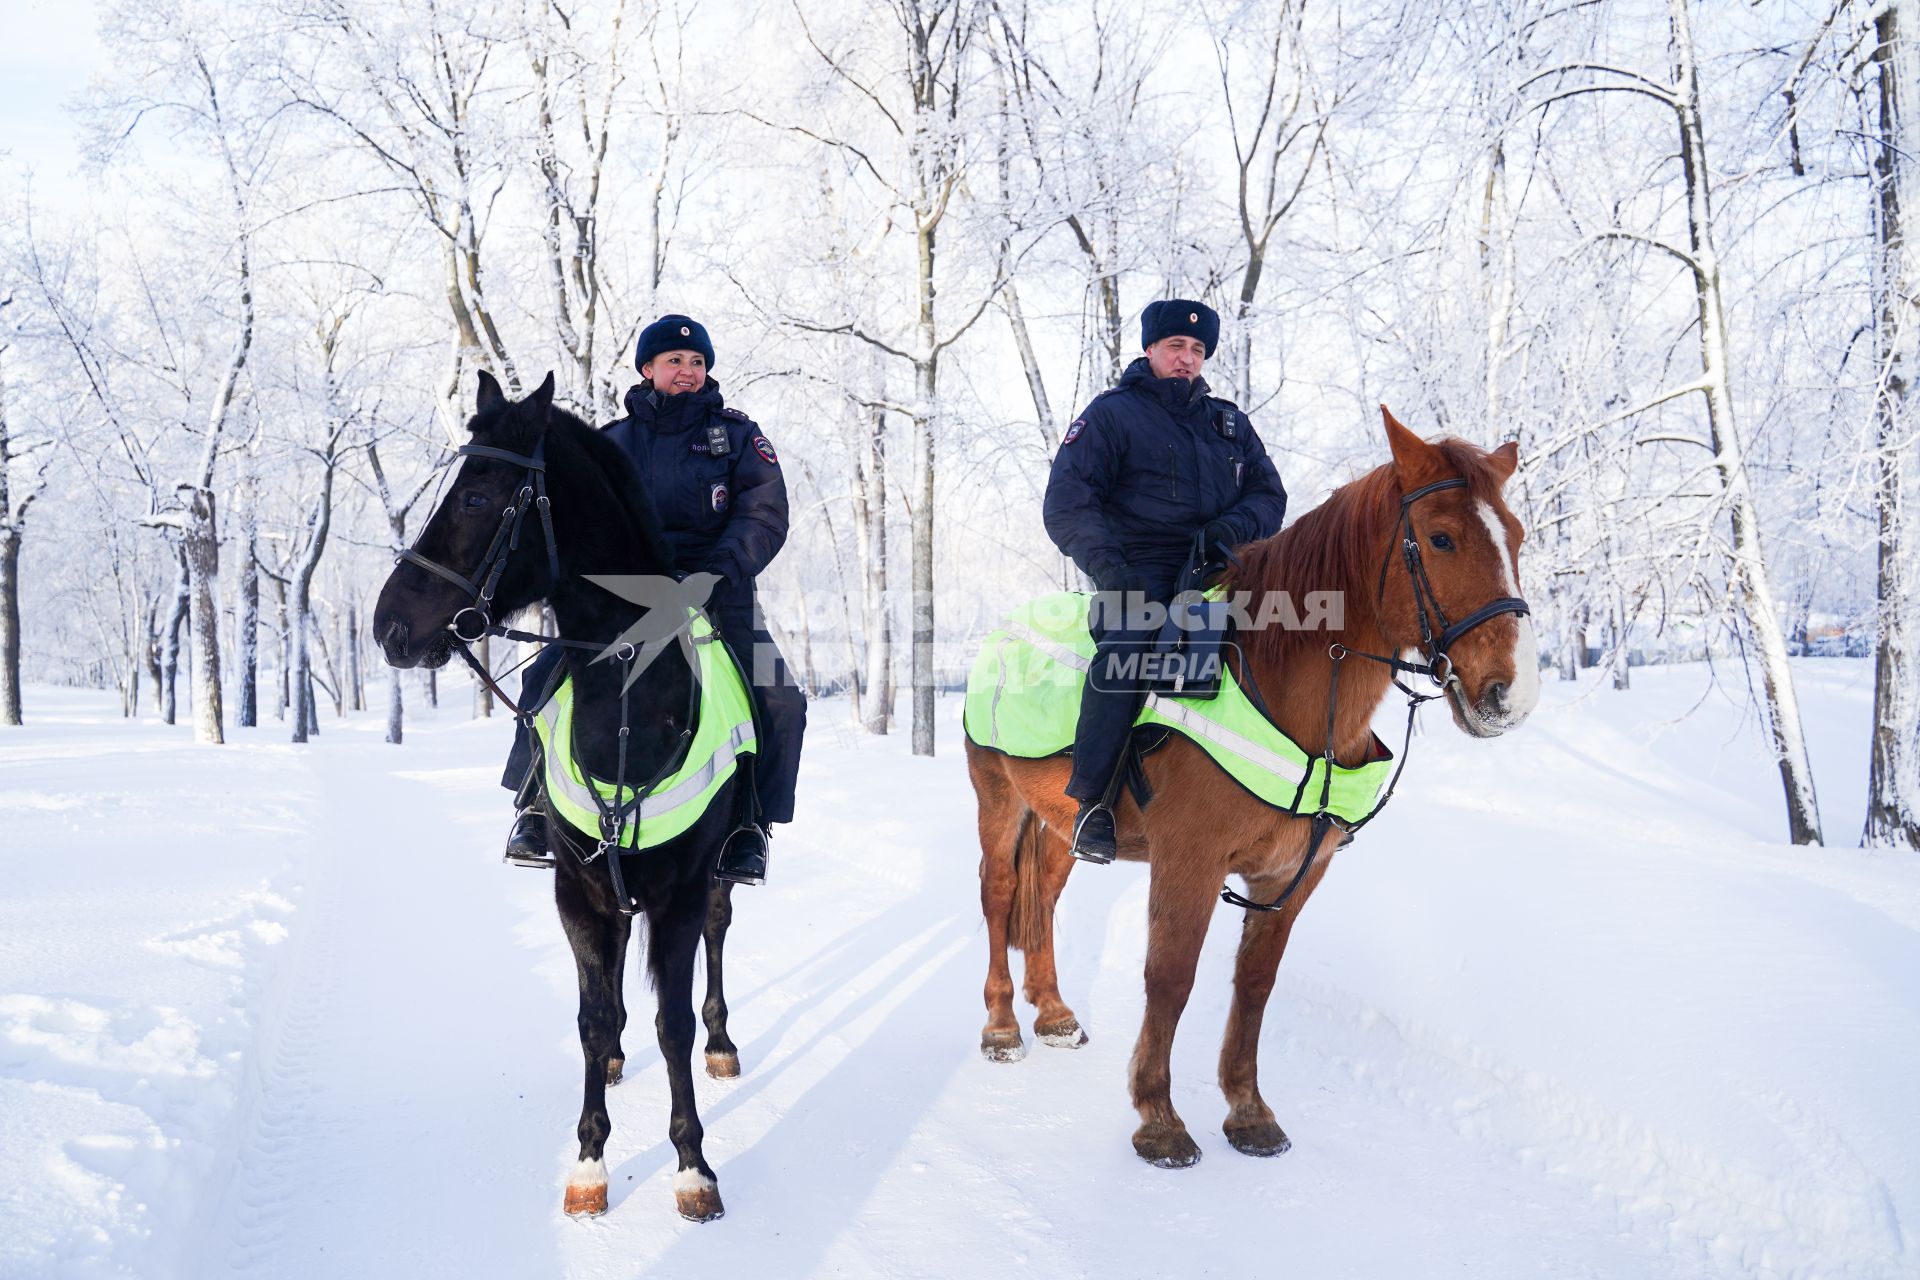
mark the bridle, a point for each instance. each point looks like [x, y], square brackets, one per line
[485, 579]
[1437, 666]
[480, 586]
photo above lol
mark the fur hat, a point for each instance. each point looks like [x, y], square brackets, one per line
[673, 333]
[1178, 315]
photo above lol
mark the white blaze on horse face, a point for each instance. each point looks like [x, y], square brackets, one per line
[1524, 694]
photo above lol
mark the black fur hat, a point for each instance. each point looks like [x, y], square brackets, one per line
[1178, 315]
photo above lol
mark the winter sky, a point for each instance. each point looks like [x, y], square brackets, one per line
[50, 49]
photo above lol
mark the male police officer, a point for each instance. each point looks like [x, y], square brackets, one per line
[1149, 465]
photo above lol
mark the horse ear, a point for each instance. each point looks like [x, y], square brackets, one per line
[1505, 460]
[490, 397]
[1411, 454]
[543, 395]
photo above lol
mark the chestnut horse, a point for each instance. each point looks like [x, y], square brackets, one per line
[1201, 826]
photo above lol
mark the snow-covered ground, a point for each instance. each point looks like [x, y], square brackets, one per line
[1567, 1009]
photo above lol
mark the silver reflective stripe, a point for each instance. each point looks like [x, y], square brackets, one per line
[993, 709]
[662, 803]
[1058, 652]
[1213, 731]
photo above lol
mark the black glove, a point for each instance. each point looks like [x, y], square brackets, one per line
[1218, 535]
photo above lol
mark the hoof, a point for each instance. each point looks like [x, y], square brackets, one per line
[1166, 1147]
[1064, 1033]
[723, 1066]
[587, 1189]
[1002, 1046]
[1267, 1139]
[697, 1196]
[616, 1069]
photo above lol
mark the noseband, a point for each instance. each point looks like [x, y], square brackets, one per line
[485, 579]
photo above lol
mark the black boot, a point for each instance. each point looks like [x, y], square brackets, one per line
[1093, 837]
[743, 859]
[527, 842]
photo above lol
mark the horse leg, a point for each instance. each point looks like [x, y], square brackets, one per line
[1045, 865]
[1179, 906]
[1003, 819]
[595, 939]
[1250, 1126]
[617, 1058]
[723, 1058]
[673, 935]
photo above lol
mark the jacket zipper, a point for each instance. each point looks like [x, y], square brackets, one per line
[1173, 482]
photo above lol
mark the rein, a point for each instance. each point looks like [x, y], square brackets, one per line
[1438, 667]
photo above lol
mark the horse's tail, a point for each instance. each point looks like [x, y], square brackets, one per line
[1029, 925]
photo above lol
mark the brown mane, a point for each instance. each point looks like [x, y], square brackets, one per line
[1339, 545]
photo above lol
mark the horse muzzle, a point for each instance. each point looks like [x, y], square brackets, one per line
[396, 645]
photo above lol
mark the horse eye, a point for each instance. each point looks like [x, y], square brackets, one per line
[1441, 542]
[475, 501]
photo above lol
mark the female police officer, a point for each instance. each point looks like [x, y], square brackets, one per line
[715, 480]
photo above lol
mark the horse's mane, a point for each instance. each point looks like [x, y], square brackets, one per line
[609, 476]
[1339, 546]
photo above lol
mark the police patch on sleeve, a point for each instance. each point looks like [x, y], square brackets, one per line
[1073, 432]
[764, 447]
[718, 494]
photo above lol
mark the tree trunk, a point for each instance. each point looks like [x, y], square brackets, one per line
[396, 707]
[9, 613]
[359, 702]
[283, 653]
[248, 639]
[202, 543]
[877, 712]
[10, 533]
[303, 716]
[1893, 770]
[176, 618]
[482, 695]
[1752, 589]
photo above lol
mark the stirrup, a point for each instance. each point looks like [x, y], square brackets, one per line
[750, 865]
[1100, 854]
[524, 854]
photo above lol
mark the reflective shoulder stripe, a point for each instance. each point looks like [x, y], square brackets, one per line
[1185, 716]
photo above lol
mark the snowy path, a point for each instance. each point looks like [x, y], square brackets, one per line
[1562, 1013]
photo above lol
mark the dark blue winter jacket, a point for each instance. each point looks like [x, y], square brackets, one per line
[1146, 466]
[724, 512]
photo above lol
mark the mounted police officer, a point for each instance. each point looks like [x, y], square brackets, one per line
[715, 481]
[1153, 468]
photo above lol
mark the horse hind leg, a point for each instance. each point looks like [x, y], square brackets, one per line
[723, 1057]
[1003, 820]
[1043, 865]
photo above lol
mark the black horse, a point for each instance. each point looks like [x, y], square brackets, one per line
[489, 551]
